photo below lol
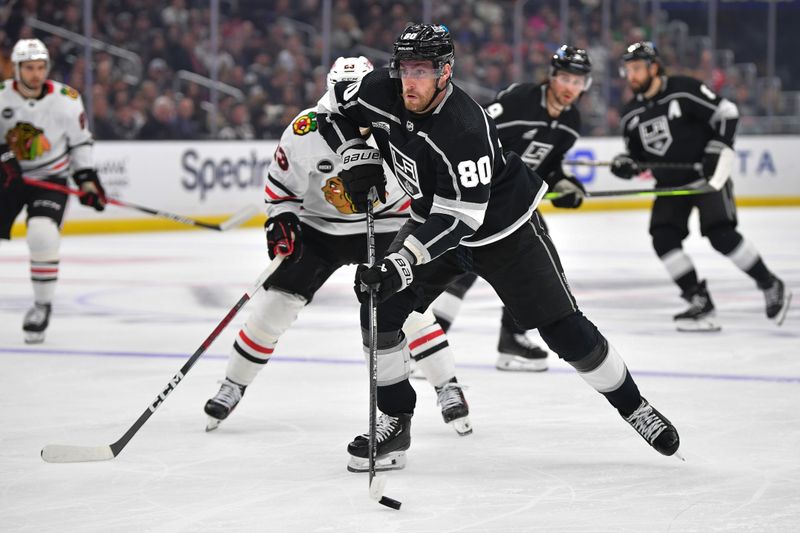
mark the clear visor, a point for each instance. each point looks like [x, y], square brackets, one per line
[579, 82]
[635, 66]
[418, 70]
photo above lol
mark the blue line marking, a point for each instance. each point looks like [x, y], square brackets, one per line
[326, 361]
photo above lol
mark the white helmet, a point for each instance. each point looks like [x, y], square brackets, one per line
[29, 50]
[348, 69]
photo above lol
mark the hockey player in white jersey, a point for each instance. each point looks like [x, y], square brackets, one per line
[312, 222]
[44, 135]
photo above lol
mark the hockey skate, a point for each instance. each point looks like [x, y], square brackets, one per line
[392, 439]
[778, 300]
[654, 428]
[455, 411]
[519, 354]
[36, 321]
[220, 406]
[700, 316]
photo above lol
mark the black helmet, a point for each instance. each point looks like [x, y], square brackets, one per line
[645, 50]
[571, 59]
[423, 42]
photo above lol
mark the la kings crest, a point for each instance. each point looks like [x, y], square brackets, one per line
[405, 170]
[655, 135]
[536, 152]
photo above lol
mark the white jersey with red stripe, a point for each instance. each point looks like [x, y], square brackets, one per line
[304, 178]
[49, 134]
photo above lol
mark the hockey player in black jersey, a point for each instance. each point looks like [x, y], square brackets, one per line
[679, 119]
[538, 122]
[473, 209]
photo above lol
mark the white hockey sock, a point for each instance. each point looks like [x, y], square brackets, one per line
[677, 263]
[429, 347]
[43, 242]
[273, 312]
[745, 255]
[446, 306]
[608, 375]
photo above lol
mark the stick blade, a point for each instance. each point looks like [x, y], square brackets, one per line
[65, 453]
[239, 218]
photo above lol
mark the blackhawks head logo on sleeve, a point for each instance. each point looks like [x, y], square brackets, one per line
[305, 124]
[335, 195]
[27, 141]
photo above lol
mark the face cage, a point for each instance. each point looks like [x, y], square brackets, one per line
[586, 84]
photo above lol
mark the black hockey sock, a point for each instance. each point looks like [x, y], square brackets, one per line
[688, 281]
[759, 272]
[397, 398]
[626, 398]
[509, 324]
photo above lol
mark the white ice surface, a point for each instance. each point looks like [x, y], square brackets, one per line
[548, 453]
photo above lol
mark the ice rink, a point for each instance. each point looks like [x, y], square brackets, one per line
[548, 453]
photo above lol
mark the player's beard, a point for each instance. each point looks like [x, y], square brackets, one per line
[644, 87]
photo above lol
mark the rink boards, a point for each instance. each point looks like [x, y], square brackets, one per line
[212, 179]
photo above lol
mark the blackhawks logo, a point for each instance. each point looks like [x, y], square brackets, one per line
[69, 91]
[335, 195]
[305, 124]
[27, 141]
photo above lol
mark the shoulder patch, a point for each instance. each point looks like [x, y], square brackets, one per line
[66, 90]
[305, 123]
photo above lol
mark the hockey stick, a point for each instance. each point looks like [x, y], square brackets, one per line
[63, 453]
[236, 220]
[641, 164]
[688, 190]
[377, 484]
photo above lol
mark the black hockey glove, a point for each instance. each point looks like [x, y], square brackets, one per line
[94, 195]
[572, 192]
[709, 164]
[622, 166]
[386, 277]
[362, 169]
[10, 171]
[284, 237]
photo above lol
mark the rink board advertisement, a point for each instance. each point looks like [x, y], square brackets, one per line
[213, 179]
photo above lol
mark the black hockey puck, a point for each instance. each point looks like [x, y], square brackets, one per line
[388, 502]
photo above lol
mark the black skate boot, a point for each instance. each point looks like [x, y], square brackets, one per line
[778, 300]
[392, 439]
[36, 321]
[519, 354]
[220, 406]
[455, 410]
[700, 316]
[654, 428]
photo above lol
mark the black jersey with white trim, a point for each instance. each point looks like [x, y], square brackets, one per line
[526, 128]
[450, 161]
[677, 125]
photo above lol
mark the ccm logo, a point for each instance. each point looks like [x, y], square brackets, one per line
[363, 155]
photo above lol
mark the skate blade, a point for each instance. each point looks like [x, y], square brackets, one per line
[787, 300]
[679, 456]
[34, 337]
[462, 426]
[384, 463]
[212, 424]
[515, 363]
[701, 326]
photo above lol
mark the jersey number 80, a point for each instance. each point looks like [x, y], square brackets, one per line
[471, 173]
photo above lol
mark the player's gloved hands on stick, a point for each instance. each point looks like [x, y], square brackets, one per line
[284, 237]
[709, 164]
[94, 195]
[572, 192]
[622, 166]
[386, 277]
[362, 169]
[10, 171]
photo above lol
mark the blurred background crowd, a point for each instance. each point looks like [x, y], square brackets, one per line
[158, 71]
